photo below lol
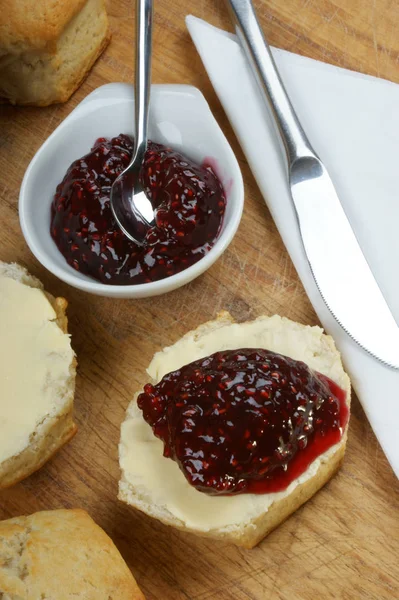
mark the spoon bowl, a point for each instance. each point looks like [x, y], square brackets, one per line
[131, 208]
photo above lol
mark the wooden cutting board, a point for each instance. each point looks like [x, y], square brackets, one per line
[345, 542]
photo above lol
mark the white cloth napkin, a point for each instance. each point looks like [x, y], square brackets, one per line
[353, 122]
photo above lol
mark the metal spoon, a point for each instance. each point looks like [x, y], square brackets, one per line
[132, 209]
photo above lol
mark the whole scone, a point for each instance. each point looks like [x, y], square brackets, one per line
[37, 375]
[155, 484]
[59, 555]
[47, 48]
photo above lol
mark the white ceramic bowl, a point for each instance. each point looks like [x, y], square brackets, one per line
[180, 117]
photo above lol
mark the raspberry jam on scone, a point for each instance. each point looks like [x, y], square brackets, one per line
[188, 200]
[246, 420]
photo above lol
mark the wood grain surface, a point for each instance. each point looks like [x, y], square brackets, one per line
[345, 542]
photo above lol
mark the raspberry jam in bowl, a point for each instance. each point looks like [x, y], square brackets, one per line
[188, 201]
[193, 228]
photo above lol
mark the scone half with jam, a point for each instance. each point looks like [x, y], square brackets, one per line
[241, 424]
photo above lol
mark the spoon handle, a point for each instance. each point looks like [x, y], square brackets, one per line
[142, 75]
[260, 57]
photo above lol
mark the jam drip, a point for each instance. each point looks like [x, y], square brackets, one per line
[188, 200]
[244, 420]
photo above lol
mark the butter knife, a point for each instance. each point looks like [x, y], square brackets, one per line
[340, 270]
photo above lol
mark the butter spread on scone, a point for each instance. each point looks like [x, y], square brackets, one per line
[37, 374]
[156, 485]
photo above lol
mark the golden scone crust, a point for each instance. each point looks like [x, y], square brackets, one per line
[47, 48]
[62, 554]
[34, 24]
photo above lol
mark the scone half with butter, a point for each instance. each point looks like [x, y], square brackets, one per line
[37, 375]
[241, 424]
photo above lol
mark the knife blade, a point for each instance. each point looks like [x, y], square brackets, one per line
[341, 272]
[339, 267]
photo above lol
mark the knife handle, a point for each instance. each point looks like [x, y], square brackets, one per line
[260, 57]
[142, 92]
